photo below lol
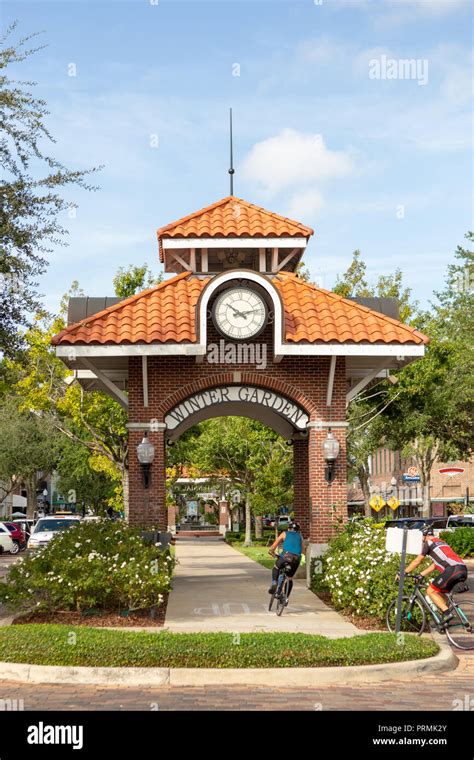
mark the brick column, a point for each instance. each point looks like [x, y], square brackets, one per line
[147, 506]
[223, 516]
[172, 518]
[300, 485]
[328, 502]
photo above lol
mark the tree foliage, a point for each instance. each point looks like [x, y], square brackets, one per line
[30, 190]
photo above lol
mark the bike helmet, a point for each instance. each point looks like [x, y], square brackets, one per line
[427, 530]
[294, 526]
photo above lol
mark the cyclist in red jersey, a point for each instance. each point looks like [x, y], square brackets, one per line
[452, 569]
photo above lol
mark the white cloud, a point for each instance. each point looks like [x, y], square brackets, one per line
[304, 205]
[292, 158]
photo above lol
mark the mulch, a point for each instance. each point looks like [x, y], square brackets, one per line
[100, 618]
[364, 623]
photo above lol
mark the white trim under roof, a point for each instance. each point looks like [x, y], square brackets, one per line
[399, 350]
[234, 242]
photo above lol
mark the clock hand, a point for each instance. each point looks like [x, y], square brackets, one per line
[239, 313]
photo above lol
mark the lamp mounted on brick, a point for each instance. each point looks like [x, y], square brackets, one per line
[330, 452]
[145, 455]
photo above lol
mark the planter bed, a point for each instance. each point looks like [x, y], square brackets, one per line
[98, 618]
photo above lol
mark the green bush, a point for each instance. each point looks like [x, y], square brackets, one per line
[460, 540]
[357, 571]
[92, 566]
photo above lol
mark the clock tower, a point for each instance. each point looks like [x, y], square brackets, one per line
[284, 352]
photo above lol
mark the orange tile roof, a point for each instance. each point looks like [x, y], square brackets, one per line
[162, 314]
[166, 313]
[232, 217]
[315, 315]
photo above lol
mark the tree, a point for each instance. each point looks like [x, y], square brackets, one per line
[353, 282]
[273, 487]
[90, 419]
[366, 432]
[28, 445]
[132, 280]
[31, 203]
[431, 410]
[78, 477]
[239, 449]
[365, 435]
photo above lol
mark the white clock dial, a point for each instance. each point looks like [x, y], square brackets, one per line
[240, 313]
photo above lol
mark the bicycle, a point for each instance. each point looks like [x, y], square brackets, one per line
[282, 589]
[417, 611]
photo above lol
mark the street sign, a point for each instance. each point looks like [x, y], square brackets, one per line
[394, 540]
[377, 503]
[411, 475]
[393, 503]
[451, 471]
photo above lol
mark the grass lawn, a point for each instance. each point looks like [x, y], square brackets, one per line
[258, 553]
[69, 645]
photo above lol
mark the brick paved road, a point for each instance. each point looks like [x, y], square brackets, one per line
[394, 695]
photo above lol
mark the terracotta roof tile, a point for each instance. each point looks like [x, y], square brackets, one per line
[232, 217]
[315, 315]
[166, 314]
[162, 314]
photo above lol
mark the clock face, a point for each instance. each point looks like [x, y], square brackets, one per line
[240, 313]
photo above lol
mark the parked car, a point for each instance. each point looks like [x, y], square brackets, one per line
[437, 523]
[282, 521]
[46, 528]
[6, 541]
[26, 525]
[18, 537]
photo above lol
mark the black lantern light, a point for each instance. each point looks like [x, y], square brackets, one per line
[330, 452]
[145, 455]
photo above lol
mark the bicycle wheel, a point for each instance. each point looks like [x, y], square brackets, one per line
[276, 593]
[413, 616]
[283, 598]
[460, 630]
[272, 599]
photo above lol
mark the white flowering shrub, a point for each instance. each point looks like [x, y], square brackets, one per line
[103, 566]
[358, 572]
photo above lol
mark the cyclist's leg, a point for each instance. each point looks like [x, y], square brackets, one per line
[275, 573]
[294, 567]
[441, 585]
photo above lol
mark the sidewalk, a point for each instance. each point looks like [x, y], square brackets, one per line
[216, 588]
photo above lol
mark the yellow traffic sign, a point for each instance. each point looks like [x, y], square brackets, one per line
[377, 503]
[393, 503]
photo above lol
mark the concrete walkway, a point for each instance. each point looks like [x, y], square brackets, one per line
[216, 588]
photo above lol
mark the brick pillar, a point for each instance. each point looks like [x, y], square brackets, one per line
[147, 507]
[300, 485]
[172, 518]
[223, 516]
[328, 502]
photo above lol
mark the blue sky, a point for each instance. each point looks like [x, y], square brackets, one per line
[380, 164]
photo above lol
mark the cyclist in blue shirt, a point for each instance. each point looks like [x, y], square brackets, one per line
[292, 550]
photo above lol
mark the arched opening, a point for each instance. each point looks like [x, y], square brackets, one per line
[263, 409]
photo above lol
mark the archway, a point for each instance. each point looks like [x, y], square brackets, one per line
[286, 417]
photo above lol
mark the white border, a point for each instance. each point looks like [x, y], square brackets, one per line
[232, 242]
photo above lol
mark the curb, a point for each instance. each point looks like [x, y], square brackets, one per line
[444, 660]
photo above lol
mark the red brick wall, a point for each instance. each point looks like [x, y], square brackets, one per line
[303, 379]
